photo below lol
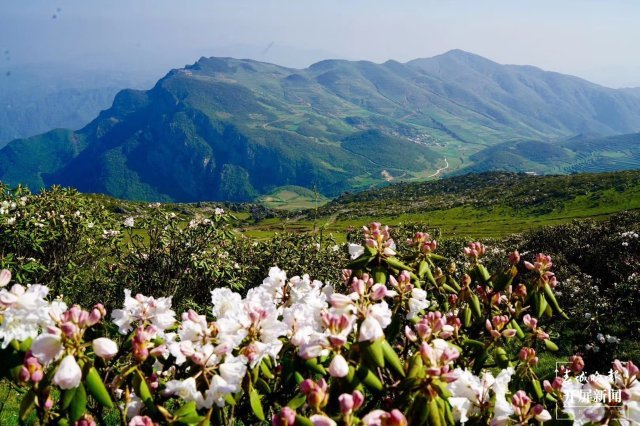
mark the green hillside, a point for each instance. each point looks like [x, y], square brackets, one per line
[228, 129]
[575, 155]
[479, 205]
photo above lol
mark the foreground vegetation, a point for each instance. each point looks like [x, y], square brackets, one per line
[421, 306]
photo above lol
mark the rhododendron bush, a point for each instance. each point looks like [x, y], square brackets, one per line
[404, 338]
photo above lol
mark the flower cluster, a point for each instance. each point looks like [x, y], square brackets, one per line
[400, 341]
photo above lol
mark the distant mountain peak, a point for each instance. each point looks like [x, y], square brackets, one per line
[232, 129]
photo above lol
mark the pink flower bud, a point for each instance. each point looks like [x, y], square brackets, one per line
[358, 399]
[69, 329]
[346, 403]
[340, 301]
[86, 420]
[530, 322]
[358, 286]
[286, 417]
[577, 364]
[141, 421]
[379, 291]
[541, 414]
[24, 374]
[396, 418]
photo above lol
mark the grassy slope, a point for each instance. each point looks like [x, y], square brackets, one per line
[487, 205]
[292, 198]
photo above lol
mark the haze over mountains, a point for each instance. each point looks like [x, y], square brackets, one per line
[229, 129]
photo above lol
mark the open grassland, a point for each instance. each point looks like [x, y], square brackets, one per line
[511, 204]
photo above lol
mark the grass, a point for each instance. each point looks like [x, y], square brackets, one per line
[293, 198]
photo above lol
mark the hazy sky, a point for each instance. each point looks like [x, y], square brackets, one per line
[595, 39]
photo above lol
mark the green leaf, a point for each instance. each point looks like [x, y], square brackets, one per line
[391, 357]
[67, 397]
[373, 351]
[265, 370]
[262, 385]
[537, 388]
[191, 419]
[27, 404]
[475, 306]
[554, 303]
[297, 401]
[186, 409]
[96, 387]
[359, 263]
[314, 365]
[369, 379]
[79, 404]
[256, 405]
[416, 366]
[395, 263]
[303, 421]
[550, 345]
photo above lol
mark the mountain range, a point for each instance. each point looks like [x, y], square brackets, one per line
[231, 129]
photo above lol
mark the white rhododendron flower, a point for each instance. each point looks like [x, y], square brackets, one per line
[370, 330]
[471, 393]
[186, 389]
[355, 250]
[579, 405]
[417, 302]
[68, 375]
[47, 347]
[25, 311]
[378, 318]
[143, 309]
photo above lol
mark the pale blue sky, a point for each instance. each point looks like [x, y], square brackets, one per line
[595, 39]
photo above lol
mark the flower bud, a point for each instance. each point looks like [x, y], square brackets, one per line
[5, 277]
[358, 399]
[68, 375]
[338, 367]
[86, 420]
[577, 364]
[321, 420]
[105, 348]
[286, 417]
[346, 403]
[141, 421]
[69, 329]
[396, 418]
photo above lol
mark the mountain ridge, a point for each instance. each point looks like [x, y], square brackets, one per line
[232, 129]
